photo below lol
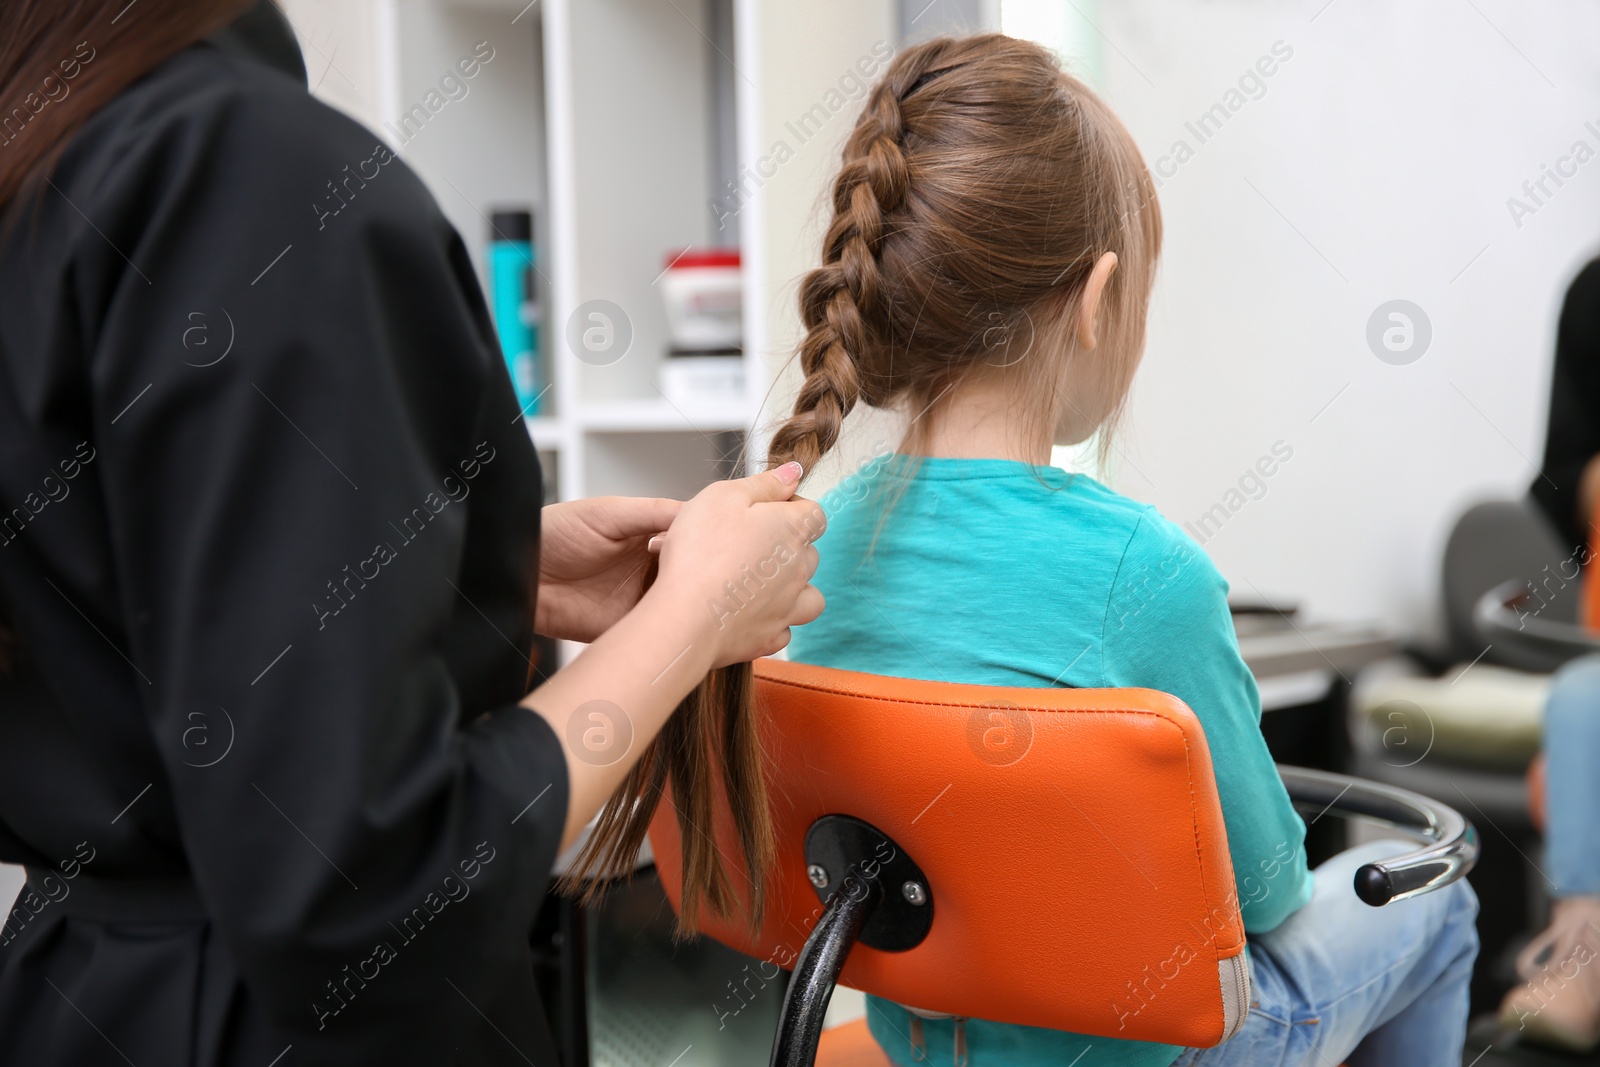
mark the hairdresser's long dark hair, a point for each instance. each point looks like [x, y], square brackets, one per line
[36, 38]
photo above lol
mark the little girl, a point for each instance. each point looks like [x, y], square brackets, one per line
[987, 270]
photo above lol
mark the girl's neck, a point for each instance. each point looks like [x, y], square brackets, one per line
[979, 419]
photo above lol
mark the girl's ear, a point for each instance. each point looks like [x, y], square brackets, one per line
[1089, 306]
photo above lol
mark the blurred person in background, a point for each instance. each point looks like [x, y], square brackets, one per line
[1559, 1002]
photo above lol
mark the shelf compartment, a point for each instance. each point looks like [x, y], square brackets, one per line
[658, 415]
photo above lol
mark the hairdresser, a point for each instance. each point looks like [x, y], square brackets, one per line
[272, 557]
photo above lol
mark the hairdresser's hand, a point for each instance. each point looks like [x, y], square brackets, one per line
[739, 556]
[592, 561]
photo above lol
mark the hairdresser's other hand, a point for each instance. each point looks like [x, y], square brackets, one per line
[592, 561]
[740, 557]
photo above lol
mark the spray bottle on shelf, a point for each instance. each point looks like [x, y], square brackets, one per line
[516, 309]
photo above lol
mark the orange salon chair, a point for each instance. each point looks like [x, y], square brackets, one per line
[1048, 857]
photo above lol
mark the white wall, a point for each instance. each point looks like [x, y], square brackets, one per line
[1387, 146]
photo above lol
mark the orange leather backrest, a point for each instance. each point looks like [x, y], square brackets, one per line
[1072, 840]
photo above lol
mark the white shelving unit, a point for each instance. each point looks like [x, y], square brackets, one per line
[602, 117]
[618, 123]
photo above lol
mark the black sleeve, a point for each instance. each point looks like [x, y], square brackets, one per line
[1574, 431]
[323, 501]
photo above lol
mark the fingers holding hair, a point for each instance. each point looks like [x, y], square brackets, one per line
[775, 485]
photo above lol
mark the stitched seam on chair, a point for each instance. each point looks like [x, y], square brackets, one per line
[1194, 823]
[949, 704]
[1194, 820]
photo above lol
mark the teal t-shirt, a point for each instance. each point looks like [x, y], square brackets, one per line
[996, 572]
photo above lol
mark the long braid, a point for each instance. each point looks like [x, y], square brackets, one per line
[839, 298]
[717, 724]
[836, 301]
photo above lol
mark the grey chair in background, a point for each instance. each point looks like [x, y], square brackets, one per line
[1463, 722]
[1493, 543]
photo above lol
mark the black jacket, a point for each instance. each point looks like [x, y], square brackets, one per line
[268, 534]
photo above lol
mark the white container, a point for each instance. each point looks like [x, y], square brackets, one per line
[704, 296]
[700, 381]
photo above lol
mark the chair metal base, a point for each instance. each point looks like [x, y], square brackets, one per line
[816, 972]
[874, 893]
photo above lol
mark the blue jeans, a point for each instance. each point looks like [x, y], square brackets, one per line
[1342, 982]
[1572, 779]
